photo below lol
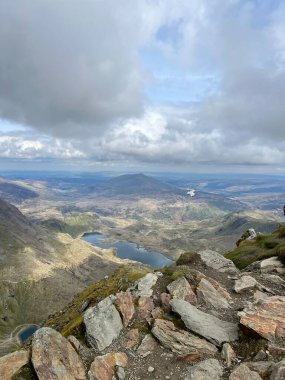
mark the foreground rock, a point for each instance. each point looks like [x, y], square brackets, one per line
[53, 357]
[244, 373]
[228, 354]
[263, 368]
[244, 284]
[181, 289]
[209, 369]
[211, 328]
[180, 341]
[218, 262]
[143, 287]
[10, 364]
[124, 301]
[272, 265]
[278, 371]
[108, 367]
[147, 346]
[103, 324]
[211, 296]
[266, 317]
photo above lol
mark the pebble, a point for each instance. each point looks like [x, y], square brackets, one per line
[150, 369]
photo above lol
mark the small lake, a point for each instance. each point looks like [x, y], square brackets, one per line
[25, 333]
[128, 250]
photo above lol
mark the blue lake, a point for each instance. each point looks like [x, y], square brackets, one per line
[128, 250]
[26, 332]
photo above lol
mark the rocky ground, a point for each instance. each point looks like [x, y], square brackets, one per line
[200, 318]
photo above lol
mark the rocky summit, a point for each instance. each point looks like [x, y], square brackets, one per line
[197, 319]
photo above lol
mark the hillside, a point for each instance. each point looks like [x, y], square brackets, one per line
[14, 192]
[135, 185]
[264, 246]
[198, 319]
[40, 271]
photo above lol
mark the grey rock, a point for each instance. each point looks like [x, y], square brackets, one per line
[228, 354]
[211, 328]
[181, 289]
[143, 287]
[211, 296]
[278, 371]
[274, 279]
[181, 341]
[263, 368]
[147, 346]
[245, 283]
[242, 372]
[209, 369]
[271, 265]
[103, 324]
[217, 261]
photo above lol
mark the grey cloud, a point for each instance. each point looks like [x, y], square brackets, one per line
[69, 67]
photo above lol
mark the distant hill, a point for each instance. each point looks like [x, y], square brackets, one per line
[136, 185]
[15, 193]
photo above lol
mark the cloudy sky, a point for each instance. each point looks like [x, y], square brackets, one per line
[178, 84]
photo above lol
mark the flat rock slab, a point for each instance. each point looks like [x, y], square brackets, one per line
[207, 293]
[209, 327]
[103, 324]
[181, 341]
[125, 304]
[209, 369]
[181, 289]
[244, 373]
[11, 363]
[106, 367]
[54, 358]
[143, 287]
[217, 261]
[244, 284]
[266, 317]
[272, 265]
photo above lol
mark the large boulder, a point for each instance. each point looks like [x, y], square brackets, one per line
[11, 363]
[180, 341]
[108, 367]
[266, 317]
[217, 261]
[211, 328]
[207, 293]
[54, 358]
[242, 372]
[103, 324]
[181, 289]
[209, 369]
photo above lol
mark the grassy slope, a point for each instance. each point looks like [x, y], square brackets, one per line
[70, 320]
[264, 246]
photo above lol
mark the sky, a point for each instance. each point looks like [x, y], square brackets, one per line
[186, 85]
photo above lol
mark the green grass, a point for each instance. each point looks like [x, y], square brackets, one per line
[264, 246]
[70, 321]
